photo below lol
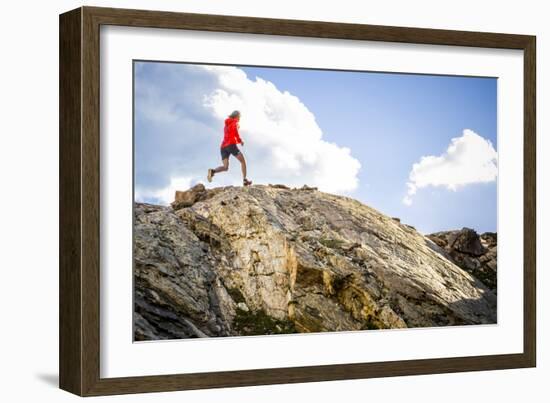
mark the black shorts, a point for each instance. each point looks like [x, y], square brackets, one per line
[231, 149]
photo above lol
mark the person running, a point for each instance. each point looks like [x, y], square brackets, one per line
[229, 147]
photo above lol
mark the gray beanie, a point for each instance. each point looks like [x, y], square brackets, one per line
[234, 114]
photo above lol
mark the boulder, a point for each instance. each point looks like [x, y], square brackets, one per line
[306, 187]
[188, 197]
[466, 241]
[279, 186]
[477, 254]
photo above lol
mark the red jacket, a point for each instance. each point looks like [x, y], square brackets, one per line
[231, 132]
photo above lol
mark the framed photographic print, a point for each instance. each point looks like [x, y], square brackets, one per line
[249, 201]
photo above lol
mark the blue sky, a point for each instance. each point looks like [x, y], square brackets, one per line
[353, 133]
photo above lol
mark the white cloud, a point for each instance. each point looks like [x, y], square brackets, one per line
[180, 111]
[469, 159]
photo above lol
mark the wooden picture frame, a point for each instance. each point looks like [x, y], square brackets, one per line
[79, 281]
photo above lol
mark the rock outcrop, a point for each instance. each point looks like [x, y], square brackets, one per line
[268, 259]
[477, 254]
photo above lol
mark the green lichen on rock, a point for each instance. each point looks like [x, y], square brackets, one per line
[332, 243]
[372, 324]
[236, 295]
[259, 323]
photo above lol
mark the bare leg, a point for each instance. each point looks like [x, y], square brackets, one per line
[240, 157]
[223, 167]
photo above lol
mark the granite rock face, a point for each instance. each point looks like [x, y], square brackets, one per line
[268, 259]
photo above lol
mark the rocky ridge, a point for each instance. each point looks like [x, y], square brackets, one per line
[269, 259]
[477, 254]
